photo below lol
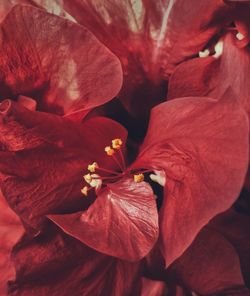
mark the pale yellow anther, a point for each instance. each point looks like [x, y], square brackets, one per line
[96, 181]
[87, 178]
[116, 144]
[109, 151]
[92, 167]
[84, 190]
[138, 178]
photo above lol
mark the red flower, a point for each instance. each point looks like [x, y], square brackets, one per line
[43, 164]
[192, 149]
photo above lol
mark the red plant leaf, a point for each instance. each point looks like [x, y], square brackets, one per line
[202, 145]
[122, 222]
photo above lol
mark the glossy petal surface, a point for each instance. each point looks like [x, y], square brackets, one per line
[122, 222]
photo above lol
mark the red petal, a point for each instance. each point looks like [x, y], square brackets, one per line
[211, 77]
[57, 265]
[45, 157]
[59, 63]
[193, 139]
[122, 222]
[210, 266]
[10, 232]
[153, 288]
[150, 38]
[235, 228]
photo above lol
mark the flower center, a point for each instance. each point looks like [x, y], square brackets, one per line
[98, 177]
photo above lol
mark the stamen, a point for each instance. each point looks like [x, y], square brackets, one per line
[159, 177]
[87, 178]
[138, 178]
[218, 49]
[96, 181]
[118, 163]
[240, 36]
[122, 159]
[109, 151]
[205, 53]
[92, 167]
[116, 144]
[85, 190]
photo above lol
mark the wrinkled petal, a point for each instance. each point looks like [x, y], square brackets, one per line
[44, 157]
[150, 38]
[57, 265]
[122, 222]
[210, 266]
[211, 77]
[193, 139]
[59, 63]
[10, 232]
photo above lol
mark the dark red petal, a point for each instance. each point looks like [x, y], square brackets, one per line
[122, 222]
[235, 228]
[10, 232]
[45, 157]
[193, 139]
[61, 63]
[210, 266]
[57, 265]
[153, 288]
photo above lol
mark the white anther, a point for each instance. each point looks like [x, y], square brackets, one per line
[218, 49]
[240, 36]
[95, 182]
[205, 53]
[159, 177]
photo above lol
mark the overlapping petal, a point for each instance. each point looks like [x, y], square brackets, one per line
[10, 232]
[150, 38]
[58, 62]
[211, 77]
[202, 145]
[122, 222]
[44, 157]
[210, 266]
[56, 264]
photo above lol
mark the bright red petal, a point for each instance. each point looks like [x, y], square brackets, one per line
[44, 157]
[59, 63]
[202, 145]
[122, 222]
[55, 264]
